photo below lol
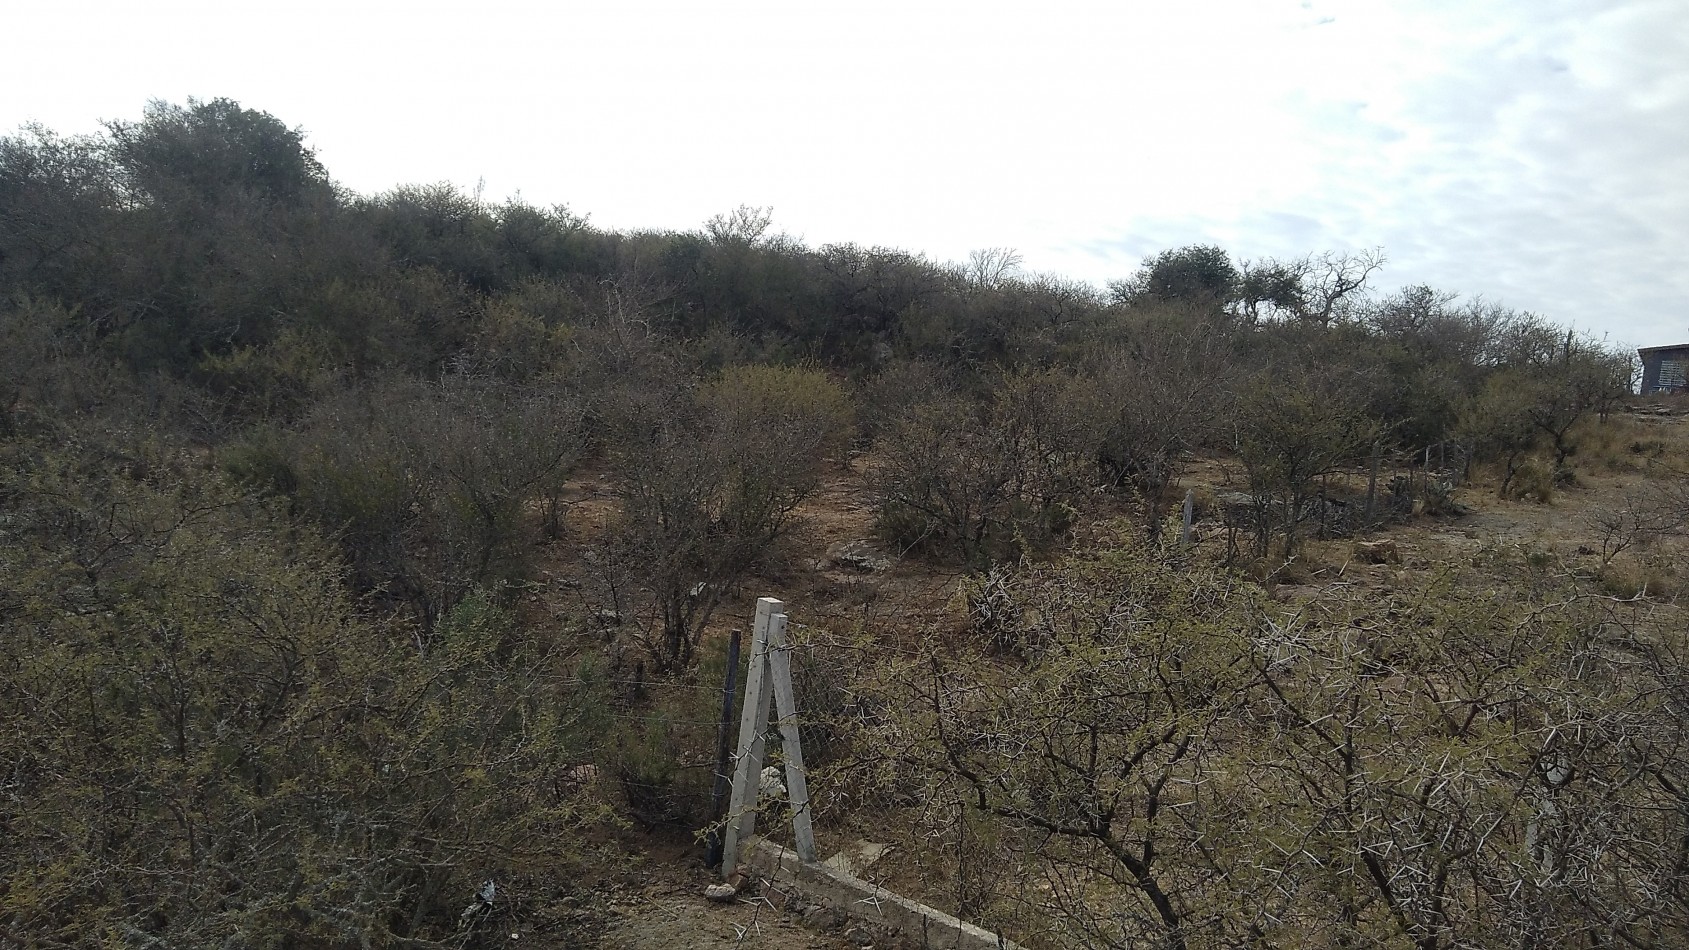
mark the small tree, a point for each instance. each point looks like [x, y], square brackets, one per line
[426, 486]
[1315, 290]
[1289, 429]
[1497, 423]
[1202, 275]
[1091, 760]
[1544, 398]
[980, 482]
[709, 478]
[1157, 403]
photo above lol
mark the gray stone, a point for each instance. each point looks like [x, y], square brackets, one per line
[771, 784]
[860, 556]
[859, 857]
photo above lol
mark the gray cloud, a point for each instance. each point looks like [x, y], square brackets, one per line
[1546, 168]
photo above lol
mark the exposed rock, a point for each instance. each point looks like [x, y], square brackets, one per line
[580, 774]
[857, 858]
[770, 784]
[721, 893]
[859, 556]
[820, 917]
[1378, 552]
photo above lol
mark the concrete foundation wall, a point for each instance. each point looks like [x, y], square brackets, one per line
[866, 903]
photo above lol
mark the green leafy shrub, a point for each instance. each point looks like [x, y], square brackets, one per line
[662, 749]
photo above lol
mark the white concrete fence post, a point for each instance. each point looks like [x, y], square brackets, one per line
[785, 706]
[769, 683]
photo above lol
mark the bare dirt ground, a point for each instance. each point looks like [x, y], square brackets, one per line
[646, 892]
[1567, 532]
[672, 914]
[648, 895]
[832, 573]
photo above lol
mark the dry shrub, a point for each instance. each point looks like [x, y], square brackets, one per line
[1651, 578]
[1533, 481]
[213, 707]
[1606, 444]
[888, 396]
[1297, 571]
[1648, 448]
[1203, 503]
[709, 481]
[984, 482]
[662, 751]
[660, 782]
[1377, 552]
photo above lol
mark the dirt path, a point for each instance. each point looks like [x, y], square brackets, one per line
[681, 919]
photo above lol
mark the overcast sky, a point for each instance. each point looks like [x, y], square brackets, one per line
[1534, 152]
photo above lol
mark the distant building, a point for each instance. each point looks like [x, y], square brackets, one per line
[1665, 369]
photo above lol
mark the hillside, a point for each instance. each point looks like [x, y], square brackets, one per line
[365, 556]
[838, 577]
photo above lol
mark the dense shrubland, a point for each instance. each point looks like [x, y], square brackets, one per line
[280, 458]
[209, 743]
[1157, 755]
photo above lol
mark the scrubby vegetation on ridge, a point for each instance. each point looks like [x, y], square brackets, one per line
[356, 550]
